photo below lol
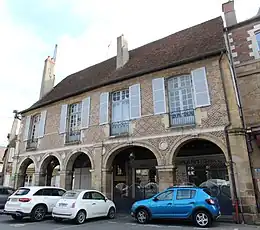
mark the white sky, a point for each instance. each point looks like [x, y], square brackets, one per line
[23, 49]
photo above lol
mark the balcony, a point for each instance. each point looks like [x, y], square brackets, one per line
[73, 137]
[182, 118]
[32, 144]
[120, 128]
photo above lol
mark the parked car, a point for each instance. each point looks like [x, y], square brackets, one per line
[5, 192]
[34, 202]
[178, 203]
[79, 205]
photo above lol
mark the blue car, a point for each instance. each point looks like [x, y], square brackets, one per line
[187, 203]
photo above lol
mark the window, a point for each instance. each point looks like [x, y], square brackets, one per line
[22, 191]
[120, 112]
[87, 196]
[57, 192]
[97, 196]
[257, 35]
[4, 191]
[33, 134]
[185, 194]
[181, 103]
[74, 123]
[70, 195]
[168, 195]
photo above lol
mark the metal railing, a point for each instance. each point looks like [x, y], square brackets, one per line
[73, 137]
[32, 144]
[182, 117]
[119, 128]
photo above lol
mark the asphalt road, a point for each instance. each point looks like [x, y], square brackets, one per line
[120, 223]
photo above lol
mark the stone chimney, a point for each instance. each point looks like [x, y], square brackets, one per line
[122, 52]
[229, 13]
[48, 76]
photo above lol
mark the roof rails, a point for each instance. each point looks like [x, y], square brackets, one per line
[183, 185]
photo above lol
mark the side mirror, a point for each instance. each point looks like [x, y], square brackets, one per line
[155, 199]
[105, 199]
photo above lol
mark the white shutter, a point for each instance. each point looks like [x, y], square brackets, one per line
[103, 108]
[159, 104]
[27, 128]
[41, 128]
[85, 112]
[63, 118]
[135, 101]
[200, 87]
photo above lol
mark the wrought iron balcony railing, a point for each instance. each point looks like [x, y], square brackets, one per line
[32, 144]
[182, 117]
[119, 128]
[73, 137]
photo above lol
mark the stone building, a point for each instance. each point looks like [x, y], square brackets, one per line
[243, 39]
[164, 113]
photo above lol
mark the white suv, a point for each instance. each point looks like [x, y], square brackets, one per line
[34, 202]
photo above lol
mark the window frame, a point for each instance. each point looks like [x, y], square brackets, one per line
[103, 197]
[257, 35]
[172, 191]
[34, 125]
[192, 192]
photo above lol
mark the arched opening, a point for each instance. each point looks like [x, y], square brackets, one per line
[202, 163]
[134, 176]
[50, 172]
[78, 172]
[26, 175]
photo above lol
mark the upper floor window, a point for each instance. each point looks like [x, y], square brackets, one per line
[257, 35]
[74, 123]
[120, 112]
[181, 104]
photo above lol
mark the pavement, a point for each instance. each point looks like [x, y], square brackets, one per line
[121, 222]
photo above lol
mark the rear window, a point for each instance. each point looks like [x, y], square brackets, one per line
[70, 195]
[206, 190]
[22, 191]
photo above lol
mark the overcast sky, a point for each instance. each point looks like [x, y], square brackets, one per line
[83, 29]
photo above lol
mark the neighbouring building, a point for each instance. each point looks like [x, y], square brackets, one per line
[243, 40]
[164, 113]
[2, 152]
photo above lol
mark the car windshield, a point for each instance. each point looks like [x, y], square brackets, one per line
[22, 191]
[71, 194]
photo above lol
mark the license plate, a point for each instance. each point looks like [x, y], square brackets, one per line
[14, 199]
[62, 205]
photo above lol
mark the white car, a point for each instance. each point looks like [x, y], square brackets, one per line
[34, 202]
[79, 205]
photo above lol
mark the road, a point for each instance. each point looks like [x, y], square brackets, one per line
[120, 223]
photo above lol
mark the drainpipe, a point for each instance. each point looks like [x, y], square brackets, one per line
[234, 78]
[236, 200]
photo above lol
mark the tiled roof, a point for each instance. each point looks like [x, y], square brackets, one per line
[186, 45]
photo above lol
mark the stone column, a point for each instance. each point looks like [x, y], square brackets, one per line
[39, 179]
[63, 179]
[107, 181]
[96, 174]
[166, 175]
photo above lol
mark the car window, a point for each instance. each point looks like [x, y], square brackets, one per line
[168, 195]
[22, 191]
[4, 191]
[47, 192]
[70, 195]
[57, 192]
[185, 194]
[87, 196]
[97, 196]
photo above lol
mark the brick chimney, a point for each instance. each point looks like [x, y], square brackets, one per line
[122, 52]
[229, 13]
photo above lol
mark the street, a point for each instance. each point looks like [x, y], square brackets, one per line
[121, 222]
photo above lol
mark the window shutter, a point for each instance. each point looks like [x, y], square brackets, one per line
[27, 128]
[135, 101]
[159, 96]
[85, 113]
[103, 109]
[63, 118]
[200, 87]
[42, 124]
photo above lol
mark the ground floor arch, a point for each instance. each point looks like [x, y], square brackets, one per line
[202, 163]
[131, 175]
[26, 173]
[50, 171]
[78, 171]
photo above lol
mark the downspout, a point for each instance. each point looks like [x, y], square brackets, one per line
[236, 200]
[234, 78]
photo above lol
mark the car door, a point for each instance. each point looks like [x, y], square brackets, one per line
[184, 202]
[48, 199]
[56, 195]
[86, 203]
[162, 205]
[99, 204]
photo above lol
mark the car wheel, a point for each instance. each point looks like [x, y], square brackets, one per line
[202, 219]
[58, 220]
[17, 217]
[38, 213]
[111, 213]
[142, 216]
[81, 217]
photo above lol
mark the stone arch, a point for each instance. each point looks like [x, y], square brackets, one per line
[46, 156]
[181, 142]
[109, 157]
[25, 163]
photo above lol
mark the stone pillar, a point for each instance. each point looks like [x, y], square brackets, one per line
[39, 179]
[66, 179]
[243, 176]
[107, 182]
[166, 175]
[96, 172]
[63, 179]
[19, 180]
